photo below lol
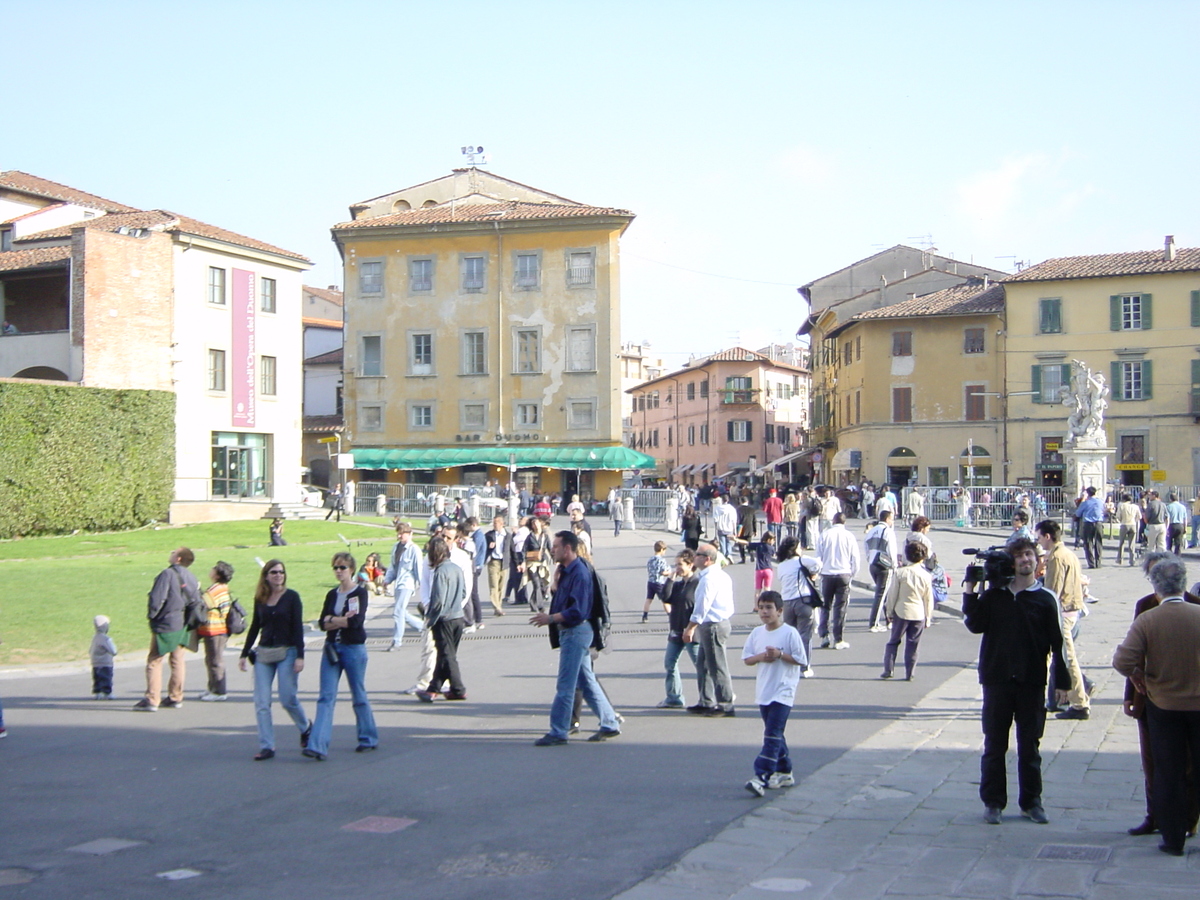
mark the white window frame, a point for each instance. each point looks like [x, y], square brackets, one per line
[527, 414]
[216, 286]
[574, 405]
[217, 370]
[468, 351]
[268, 295]
[268, 367]
[583, 276]
[370, 285]
[588, 333]
[421, 369]
[525, 280]
[741, 430]
[364, 370]
[416, 410]
[428, 277]
[1132, 379]
[1131, 312]
[517, 356]
[469, 287]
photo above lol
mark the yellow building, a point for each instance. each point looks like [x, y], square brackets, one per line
[1134, 317]
[912, 392]
[482, 326]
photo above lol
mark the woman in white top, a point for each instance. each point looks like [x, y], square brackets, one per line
[909, 609]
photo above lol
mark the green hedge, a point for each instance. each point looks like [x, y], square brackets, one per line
[83, 458]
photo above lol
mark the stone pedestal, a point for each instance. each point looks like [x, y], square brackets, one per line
[1087, 467]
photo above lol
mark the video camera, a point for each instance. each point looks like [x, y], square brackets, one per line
[995, 566]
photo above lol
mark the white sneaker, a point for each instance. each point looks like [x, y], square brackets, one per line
[469, 629]
[808, 673]
[841, 645]
[781, 780]
[208, 697]
[756, 787]
[411, 690]
[876, 629]
[480, 626]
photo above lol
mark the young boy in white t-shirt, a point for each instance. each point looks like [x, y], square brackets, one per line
[777, 651]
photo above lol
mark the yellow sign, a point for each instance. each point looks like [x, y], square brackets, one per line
[328, 440]
[1132, 467]
[1158, 475]
[1050, 446]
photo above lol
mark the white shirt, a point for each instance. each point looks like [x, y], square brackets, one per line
[791, 584]
[838, 550]
[775, 681]
[726, 519]
[830, 507]
[885, 502]
[714, 596]
[462, 559]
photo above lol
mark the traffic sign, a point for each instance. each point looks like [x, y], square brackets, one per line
[327, 440]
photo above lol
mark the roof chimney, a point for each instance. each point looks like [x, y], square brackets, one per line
[1169, 248]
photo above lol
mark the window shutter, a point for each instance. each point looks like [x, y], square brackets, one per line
[1196, 309]
[729, 430]
[1114, 313]
[1036, 383]
[1147, 319]
[1147, 381]
[1056, 315]
[1114, 377]
[1196, 370]
[750, 431]
[1064, 380]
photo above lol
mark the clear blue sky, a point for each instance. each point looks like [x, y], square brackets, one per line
[762, 141]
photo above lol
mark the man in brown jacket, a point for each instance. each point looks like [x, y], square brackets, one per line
[1161, 656]
[1063, 578]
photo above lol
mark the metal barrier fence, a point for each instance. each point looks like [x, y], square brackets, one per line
[417, 500]
[990, 507]
[649, 506]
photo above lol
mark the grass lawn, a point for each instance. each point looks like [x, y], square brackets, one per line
[51, 587]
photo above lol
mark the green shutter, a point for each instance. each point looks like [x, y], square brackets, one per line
[1147, 318]
[1195, 371]
[1196, 309]
[1064, 379]
[750, 430]
[1035, 379]
[1044, 315]
[1118, 391]
[1114, 313]
[1147, 381]
[1056, 319]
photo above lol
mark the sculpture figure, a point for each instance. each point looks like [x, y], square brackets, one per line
[1088, 399]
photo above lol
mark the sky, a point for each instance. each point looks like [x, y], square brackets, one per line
[760, 144]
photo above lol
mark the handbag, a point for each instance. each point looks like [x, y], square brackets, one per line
[270, 655]
[235, 619]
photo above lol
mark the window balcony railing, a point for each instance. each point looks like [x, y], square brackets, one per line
[740, 396]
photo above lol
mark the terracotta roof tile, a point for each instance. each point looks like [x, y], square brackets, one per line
[325, 294]
[1104, 265]
[961, 300]
[737, 354]
[52, 190]
[323, 423]
[510, 210]
[331, 357]
[322, 323]
[33, 258]
[161, 220]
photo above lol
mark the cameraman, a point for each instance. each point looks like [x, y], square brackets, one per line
[1020, 626]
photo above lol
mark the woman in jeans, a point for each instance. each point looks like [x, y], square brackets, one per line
[680, 596]
[278, 627]
[343, 620]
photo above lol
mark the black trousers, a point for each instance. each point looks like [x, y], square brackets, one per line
[1004, 704]
[1174, 739]
[1176, 532]
[446, 635]
[1093, 543]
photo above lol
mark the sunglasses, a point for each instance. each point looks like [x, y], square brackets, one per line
[340, 568]
[277, 572]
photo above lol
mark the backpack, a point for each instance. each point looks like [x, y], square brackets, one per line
[195, 613]
[235, 619]
[600, 618]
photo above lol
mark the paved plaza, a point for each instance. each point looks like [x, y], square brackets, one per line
[97, 801]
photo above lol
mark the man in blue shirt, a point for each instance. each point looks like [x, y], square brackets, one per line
[1091, 516]
[405, 573]
[1177, 522]
[570, 611]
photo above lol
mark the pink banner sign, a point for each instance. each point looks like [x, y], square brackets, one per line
[242, 356]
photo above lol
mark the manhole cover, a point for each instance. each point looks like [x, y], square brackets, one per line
[487, 865]
[1075, 853]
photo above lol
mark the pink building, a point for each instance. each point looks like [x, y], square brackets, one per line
[723, 415]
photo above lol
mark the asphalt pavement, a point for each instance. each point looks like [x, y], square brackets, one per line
[99, 801]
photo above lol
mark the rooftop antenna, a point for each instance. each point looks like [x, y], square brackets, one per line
[475, 156]
[1017, 264]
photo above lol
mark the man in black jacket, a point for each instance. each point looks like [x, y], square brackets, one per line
[1020, 624]
[172, 589]
[497, 560]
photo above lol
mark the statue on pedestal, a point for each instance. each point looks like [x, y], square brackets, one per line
[1088, 400]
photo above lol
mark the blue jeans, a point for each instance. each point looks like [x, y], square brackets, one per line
[773, 757]
[723, 542]
[1195, 529]
[402, 616]
[352, 659]
[264, 675]
[616, 527]
[675, 649]
[575, 673]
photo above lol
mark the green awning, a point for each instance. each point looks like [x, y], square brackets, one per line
[542, 457]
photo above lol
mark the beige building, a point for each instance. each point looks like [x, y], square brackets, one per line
[730, 414]
[482, 329]
[1134, 317]
[911, 392]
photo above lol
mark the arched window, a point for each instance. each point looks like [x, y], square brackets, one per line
[902, 452]
[974, 452]
[401, 206]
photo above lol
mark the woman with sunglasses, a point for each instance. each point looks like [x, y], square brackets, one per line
[343, 619]
[278, 627]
